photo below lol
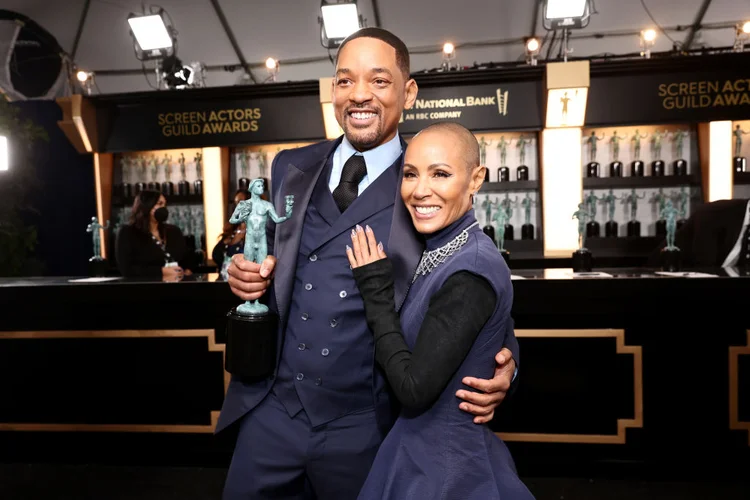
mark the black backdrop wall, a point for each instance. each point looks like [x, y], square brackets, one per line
[65, 199]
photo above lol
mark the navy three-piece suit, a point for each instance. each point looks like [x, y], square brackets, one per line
[313, 429]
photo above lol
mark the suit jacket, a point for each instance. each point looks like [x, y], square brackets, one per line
[709, 234]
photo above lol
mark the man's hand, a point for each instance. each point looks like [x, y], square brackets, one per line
[493, 391]
[249, 280]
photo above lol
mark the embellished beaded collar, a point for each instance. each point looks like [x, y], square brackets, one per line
[433, 258]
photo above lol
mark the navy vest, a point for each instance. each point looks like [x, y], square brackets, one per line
[327, 364]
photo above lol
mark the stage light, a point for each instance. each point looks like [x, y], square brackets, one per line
[86, 79]
[153, 37]
[3, 153]
[648, 37]
[337, 21]
[175, 74]
[272, 65]
[566, 14]
[741, 34]
[449, 54]
[82, 76]
[532, 50]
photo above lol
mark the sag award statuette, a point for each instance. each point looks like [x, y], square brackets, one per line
[670, 254]
[522, 172]
[483, 157]
[610, 228]
[487, 204]
[244, 181]
[527, 230]
[679, 166]
[593, 230]
[507, 204]
[139, 164]
[503, 173]
[97, 263]
[636, 167]
[582, 260]
[740, 162]
[657, 164]
[167, 188]
[592, 168]
[251, 327]
[660, 199]
[502, 217]
[153, 167]
[198, 184]
[125, 171]
[682, 199]
[615, 168]
[183, 186]
[634, 227]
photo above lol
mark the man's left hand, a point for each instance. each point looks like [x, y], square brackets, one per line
[493, 391]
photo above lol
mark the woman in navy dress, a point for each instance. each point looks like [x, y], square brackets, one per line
[455, 318]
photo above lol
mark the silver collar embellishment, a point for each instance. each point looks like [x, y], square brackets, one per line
[433, 258]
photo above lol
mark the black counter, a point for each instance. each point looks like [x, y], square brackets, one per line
[635, 370]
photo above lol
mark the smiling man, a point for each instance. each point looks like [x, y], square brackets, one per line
[312, 430]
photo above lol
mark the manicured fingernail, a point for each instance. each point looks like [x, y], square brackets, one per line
[380, 246]
[359, 228]
[348, 248]
[367, 228]
[354, 234]
[464, 407]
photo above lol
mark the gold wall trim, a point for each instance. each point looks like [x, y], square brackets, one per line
[94, 334]
[622, 424]
[734, 388]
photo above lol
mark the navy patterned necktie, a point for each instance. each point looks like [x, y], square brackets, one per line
[353, 173]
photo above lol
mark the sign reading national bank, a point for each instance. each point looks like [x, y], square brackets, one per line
[477, 107]
[194, 123]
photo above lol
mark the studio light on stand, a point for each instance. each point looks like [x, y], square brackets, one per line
[175, 74]
[337, 21]
[648, 37]
[272, 66]
[566, 15]
[741, 35]
[154, 39]
[86, 79]
[532, 47]
[449, 54]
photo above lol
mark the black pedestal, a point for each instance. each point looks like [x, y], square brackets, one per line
[490, 231]
[636, 169]
[593, 230]
[634, 229]
[509, 232]
[183, 188]
[251, 345]
[670, 259]
[582, 261]
[198, 187]
[522, 173]
[506, 256]
[154, 186]
[140, 186]
[167, 188]
[503, 174]
[661, 228]
[592, 169]
[527, 232]
[610, 229]
[657, 168]
[679, 167]
[739, 164]
[243, 183]
[615, 169]
[98, 267]
[126, 190]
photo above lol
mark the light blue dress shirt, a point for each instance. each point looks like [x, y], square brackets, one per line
[377, 161]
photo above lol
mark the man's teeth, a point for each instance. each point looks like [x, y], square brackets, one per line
[426, 210]
[362, 116]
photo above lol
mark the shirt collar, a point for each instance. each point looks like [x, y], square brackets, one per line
[377, 159]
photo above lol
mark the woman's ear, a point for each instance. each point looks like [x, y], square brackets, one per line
[477, 178]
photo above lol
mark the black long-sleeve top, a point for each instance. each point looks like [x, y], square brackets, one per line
[454, 318]
[139, 256]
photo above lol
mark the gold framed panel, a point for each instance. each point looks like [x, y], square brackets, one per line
[622, 424]
[734, 388]
[93, 334]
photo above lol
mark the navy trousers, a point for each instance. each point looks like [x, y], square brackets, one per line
[282, 457]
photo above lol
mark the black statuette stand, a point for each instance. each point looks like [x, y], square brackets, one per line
[251, 345]
[582, 260]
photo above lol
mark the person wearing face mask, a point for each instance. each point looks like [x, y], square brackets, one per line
[455, 318]
[148, 247]
[232, 239]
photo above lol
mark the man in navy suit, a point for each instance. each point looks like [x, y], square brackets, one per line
[313, 428]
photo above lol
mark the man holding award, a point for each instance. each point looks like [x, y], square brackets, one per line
[311, 426]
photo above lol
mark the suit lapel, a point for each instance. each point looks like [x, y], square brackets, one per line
[299, 182]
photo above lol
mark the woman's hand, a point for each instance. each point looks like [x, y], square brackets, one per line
[172, 273]
[364, 249]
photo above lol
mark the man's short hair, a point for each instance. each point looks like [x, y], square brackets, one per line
[465, 140]
[402, 53]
